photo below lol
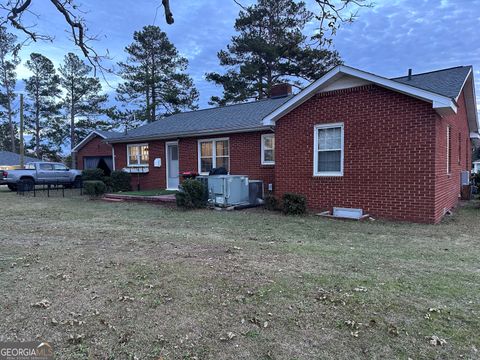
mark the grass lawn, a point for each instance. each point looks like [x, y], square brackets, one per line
[155, 192]
[137, 281]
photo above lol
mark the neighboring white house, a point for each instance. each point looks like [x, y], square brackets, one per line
[476, 167]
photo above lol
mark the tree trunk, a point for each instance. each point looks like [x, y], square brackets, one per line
[10, 121]
[37, 123]
[9, 106]
[72, 125]
[152, 84]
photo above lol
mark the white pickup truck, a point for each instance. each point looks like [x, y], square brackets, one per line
[41, 173]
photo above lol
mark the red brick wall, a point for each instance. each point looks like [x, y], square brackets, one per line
[95, 147]
[388, 155]
[244, 159]
[447, 186]
[156, 177]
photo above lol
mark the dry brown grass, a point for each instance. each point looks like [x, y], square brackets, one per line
[140, 281]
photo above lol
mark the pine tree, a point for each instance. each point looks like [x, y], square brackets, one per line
[43, 89]
[270, 49]
[8, 78]
[155, 80]
[6, 139]
[83, 101]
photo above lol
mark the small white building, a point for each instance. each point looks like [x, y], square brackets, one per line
[476, 167]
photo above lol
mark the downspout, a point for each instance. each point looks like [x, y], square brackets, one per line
[113, 157]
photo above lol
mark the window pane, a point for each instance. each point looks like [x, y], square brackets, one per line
[132, 154]
[329, 161]
[206, 149]
[47, 167]
[222, 148]
[329, 138]
[223, 162]
[206, 164]
[269, 155]
[269, 142]
[59, 167]
[144, 155]
[173, 152]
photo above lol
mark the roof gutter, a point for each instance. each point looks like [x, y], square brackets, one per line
[184, 135]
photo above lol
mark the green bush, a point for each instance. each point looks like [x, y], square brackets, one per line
[294, 204]
[192, 195]
[93, 174]
[271, 202]
[120, 181]
[476, 179]
[94, 188]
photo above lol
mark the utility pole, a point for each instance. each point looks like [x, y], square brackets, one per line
[22, 148]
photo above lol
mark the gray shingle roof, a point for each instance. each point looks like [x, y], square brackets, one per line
[108, 134]
[8, 158]
[446, 82]
[229, 118]
[241, 117]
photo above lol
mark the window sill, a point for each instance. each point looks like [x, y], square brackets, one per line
[320, 176]
[137, 169]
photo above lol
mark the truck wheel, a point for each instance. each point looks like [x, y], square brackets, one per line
[12, 187]
[28, 184]
[77, 183]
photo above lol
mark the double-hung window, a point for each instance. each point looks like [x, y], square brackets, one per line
[137, 155]
[328, 150]
[214, 153]
[268, 149]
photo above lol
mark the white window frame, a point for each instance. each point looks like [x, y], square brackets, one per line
[214, 153]
[137, 164]
[263, 162]
[315, 149]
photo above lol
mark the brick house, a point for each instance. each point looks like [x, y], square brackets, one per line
[94, 152]
[392, 147]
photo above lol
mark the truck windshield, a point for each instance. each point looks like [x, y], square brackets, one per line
[30, 167]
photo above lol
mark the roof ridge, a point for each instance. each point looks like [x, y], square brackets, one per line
[433, 71]
[221, 107]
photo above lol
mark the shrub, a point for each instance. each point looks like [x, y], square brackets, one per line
[294, 204]
[192, 195]
[120, 181]
[476, 179]
[94, 188]
[271, 202]
[92, 174]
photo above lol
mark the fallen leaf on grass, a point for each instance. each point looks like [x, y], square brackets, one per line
[229, 336]
[360, 289]
[42, 304]
[436, 341]
[76, 339]
[392, 330]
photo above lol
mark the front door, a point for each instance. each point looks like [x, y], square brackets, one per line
[172, 166]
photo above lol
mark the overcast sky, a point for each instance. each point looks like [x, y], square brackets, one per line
[387, 40]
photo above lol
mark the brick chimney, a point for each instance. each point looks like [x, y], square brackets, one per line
[280, 90]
